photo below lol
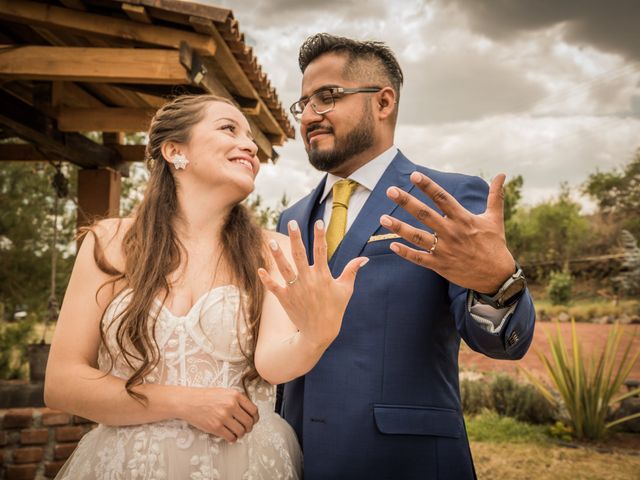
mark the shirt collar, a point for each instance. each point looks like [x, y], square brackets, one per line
[367, 175]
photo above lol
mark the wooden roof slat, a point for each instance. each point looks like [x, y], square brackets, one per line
[32, 125]
[137, 13]
[92, 64]
[105, 119]
[34, 13]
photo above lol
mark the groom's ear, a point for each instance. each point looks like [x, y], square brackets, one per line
[386, 99]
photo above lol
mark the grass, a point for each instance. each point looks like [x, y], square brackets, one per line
[585, 310]
[507, 449]
[491, 427]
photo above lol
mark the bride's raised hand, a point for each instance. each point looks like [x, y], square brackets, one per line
[314, 301]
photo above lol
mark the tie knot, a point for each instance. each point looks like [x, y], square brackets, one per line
[342, 191]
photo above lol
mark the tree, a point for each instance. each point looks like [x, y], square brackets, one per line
[26, 229]
[553, 230]
[618, 194]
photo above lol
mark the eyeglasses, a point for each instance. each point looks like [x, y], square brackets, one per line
[324, 100]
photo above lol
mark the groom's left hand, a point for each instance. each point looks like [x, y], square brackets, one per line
[470, 250]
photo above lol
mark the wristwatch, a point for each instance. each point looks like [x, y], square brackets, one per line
[508, 294]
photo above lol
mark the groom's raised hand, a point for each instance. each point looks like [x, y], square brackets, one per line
[468, 250]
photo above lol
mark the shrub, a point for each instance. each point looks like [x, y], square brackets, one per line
[14, 338]
[520, 401]
[475, 396]
[588, 386]
[559, 287]
[506, 397]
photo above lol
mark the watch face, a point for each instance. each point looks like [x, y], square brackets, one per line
[512, 290]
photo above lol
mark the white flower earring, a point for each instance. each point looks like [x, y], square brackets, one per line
[179, 161]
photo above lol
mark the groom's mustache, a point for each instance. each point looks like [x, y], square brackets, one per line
[318, 126]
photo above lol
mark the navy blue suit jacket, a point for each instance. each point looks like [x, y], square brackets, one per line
[383, 402]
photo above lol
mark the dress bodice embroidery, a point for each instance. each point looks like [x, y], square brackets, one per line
[203, 348]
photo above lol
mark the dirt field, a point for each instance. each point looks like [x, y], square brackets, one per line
[549, 462]
[592, 336]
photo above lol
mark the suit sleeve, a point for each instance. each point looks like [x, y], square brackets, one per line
[512, 340]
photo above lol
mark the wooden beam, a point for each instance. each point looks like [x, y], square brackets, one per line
[137, 13]
[26, 152]
[33, 126]
[98, 195]
[106, 119]
[33, 13]
[232, 69]
[119, 65]
[75, 4]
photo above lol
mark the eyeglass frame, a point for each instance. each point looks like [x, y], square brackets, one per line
[333, 91]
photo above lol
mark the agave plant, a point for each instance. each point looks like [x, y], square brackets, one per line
[589, 386]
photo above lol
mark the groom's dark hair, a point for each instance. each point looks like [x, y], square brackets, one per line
[363, 55]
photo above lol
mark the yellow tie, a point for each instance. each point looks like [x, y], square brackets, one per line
[342, 191]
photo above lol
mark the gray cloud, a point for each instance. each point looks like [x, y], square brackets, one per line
[463, 85]
[610, 25]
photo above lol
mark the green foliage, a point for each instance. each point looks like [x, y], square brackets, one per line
[267, 216]
[14, 338]
[506, 397]
[618, 194]
[559, 287]
[553, 230]
[490, 426]
[588, 386]
[587, 310]
[561, 431]
[26, 230]
[512, 196]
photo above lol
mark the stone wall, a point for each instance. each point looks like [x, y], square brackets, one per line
[36, 442]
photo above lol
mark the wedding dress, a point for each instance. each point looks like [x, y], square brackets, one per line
[199, 349]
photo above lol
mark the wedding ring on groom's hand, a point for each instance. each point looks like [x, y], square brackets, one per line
[291, 282]
[435, 244]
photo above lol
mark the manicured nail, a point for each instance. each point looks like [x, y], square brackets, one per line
[385, 221]
[293, 225]
[416, 177]
[393, 192]
[394, 247]
[364, 262]
[273, 244]
[319, 224]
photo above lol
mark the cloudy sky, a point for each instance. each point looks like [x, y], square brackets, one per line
[549, 89]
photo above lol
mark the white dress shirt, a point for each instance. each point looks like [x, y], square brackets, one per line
[367, 176]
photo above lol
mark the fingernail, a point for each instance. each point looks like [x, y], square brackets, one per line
[385, 221]
[416, 177]
[364, 262]
[319, 224]
[394, 247]
[293, 225]
[273, 244]
[393, 192]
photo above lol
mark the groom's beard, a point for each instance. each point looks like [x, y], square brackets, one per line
[356, 141]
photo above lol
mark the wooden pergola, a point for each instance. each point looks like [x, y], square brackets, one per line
[72, 66]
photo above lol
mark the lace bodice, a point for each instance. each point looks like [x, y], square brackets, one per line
[199, 349]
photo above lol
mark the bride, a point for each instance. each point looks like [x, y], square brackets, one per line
[178, 322]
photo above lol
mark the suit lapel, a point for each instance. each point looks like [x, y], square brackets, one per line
[305, 221]
[368, 220]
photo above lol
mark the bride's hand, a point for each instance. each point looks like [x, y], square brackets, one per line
[314, 301]
[223, 412]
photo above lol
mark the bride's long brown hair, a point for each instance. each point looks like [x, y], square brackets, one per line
[152, 250]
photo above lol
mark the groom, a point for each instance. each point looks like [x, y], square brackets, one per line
[383, 402]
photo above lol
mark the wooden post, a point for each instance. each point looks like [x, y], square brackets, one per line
[98, 194]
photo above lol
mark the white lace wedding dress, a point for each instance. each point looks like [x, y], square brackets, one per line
[199, 349]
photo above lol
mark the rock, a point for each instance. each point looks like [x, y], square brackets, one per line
[564, 317]
[629, 406]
